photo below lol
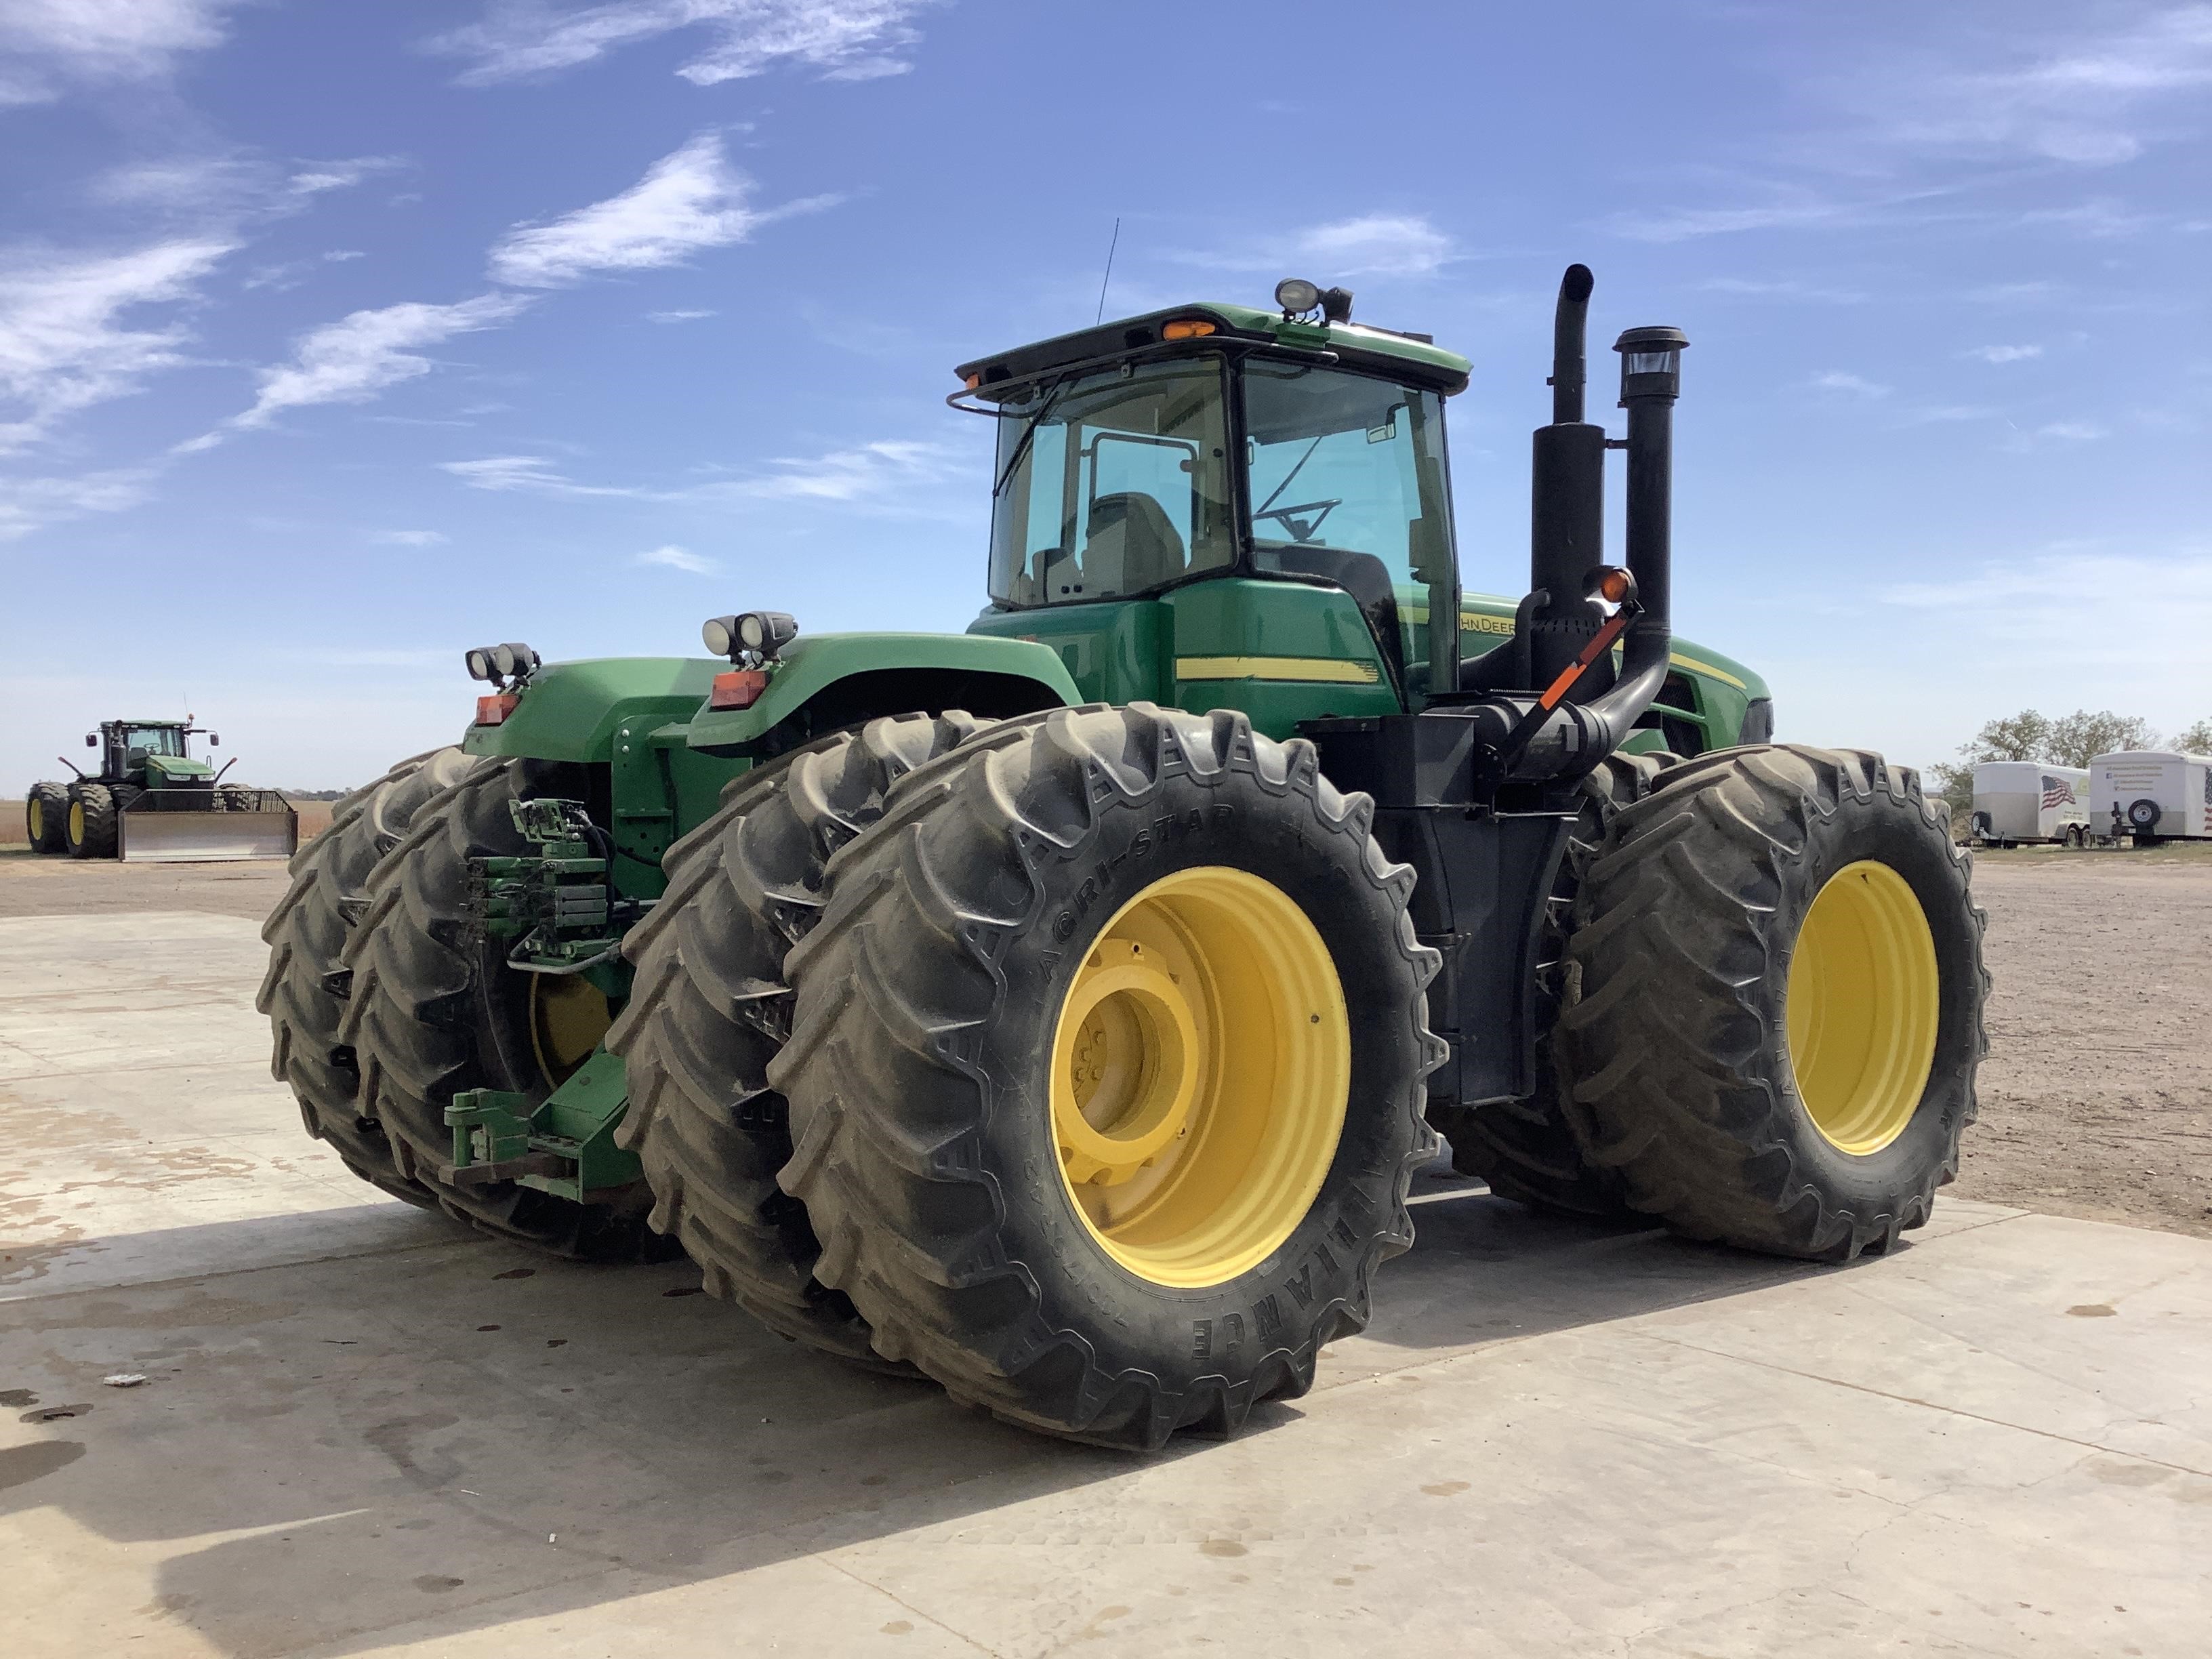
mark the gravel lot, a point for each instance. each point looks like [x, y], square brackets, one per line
[2096, 1098]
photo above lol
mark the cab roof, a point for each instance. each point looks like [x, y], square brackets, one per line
[1412, 358]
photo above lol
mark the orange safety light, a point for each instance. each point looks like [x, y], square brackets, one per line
[1187, 328]
[494, 711]
[740, 688]
[974, 380]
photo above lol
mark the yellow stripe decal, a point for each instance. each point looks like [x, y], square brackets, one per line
[1332, 670]
[1697, 667]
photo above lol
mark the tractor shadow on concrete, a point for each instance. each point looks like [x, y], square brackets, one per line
[429, 1440]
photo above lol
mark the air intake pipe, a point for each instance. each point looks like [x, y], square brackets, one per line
[1567, 542]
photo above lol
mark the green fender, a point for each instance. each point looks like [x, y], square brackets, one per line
[850, 677]
[571, 711]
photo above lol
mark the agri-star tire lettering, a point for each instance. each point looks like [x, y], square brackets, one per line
[1525, 1149]
[434, 1009]
[929, 1021]
[304, 991]
[1756, 1070]
[709, 1010]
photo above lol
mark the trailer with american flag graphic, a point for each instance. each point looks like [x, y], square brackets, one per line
[2018, 803]
[2152, 795]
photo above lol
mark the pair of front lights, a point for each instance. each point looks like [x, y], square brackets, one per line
[489, 662]
[763, 633]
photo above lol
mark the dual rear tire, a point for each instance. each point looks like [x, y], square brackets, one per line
[1098, 1041]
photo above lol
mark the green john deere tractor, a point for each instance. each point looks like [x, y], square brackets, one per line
[1062, 1010]
[154, 801]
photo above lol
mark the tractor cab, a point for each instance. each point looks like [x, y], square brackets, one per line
[1218, 442]
[150, 754]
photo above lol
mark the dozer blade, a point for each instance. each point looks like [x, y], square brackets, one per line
[207, 837]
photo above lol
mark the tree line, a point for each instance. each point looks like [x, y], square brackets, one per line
[2072, 739]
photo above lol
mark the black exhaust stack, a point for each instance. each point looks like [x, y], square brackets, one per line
[1566, 515]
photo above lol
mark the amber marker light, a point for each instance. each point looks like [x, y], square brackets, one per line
[1187, 328]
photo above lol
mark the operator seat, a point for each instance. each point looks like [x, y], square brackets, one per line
[1129, 545]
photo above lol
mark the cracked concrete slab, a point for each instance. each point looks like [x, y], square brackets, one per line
[365, 1430]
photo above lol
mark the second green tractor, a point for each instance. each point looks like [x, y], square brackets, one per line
[1061, 1009]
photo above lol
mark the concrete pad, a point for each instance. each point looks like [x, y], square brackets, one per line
[366, 1432]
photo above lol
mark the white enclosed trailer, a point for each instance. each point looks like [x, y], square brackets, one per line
[2153, 794]
[2028, 801]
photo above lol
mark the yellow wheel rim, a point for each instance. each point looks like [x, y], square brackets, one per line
[38, 822]
[569, 1015]
[1200, 1070]
[77, 823]
[1861, 1007]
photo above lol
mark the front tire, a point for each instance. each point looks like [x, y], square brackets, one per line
[90, 823]
[306, 989]
[1076, 944]
[710, 1010]
[434, 1009]
[46, 817]
[1774, 1002]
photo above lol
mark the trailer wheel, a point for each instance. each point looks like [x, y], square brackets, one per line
[89, 829]
[306, 988]
[1774, 1007]
[1526, 1150]
[1106, 1071]
[710, 1010]
[46, 817]
[235, 797]
[434, 1010]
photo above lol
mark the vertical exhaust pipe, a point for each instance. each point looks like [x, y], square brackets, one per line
[1566, 517]
[1650, 381]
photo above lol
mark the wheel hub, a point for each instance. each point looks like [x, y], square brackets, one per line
[1861, 1007]
[1199, 1074]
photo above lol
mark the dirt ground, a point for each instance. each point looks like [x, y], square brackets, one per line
[2096, 1097]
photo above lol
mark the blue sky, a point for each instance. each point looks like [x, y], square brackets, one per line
[336, 339]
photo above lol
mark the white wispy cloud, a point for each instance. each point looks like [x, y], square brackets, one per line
[2005, 354]
[409, 537]
[676, 558]
[1751, 288]
[845, 39]
[530, 475]
[314, 178]
[64, 344]
[1857, 385]
[861, 474]
[677, 316]
[1375, 244]
[44, 42]
[2074, 99]
[355, 358]
[32, 504]
[690, 199]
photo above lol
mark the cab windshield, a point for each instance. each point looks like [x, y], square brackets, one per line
[154, 739]
[1348, 484]
[1112, 483]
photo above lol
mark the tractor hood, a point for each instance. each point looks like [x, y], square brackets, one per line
[176, 769]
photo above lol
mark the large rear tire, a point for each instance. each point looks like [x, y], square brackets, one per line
[1106, 1071]
[1774, 1001]
[1525, 1149]
[709, 1010]
[434, 1009]
[304, 991]
[46, 817]
[90, 823]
